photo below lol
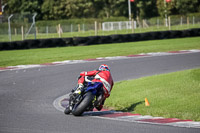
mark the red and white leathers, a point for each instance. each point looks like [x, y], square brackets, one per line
[99, 76]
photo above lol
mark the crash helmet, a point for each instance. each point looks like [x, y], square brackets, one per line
[104, 67]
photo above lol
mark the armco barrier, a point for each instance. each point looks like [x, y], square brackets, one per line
[91, 40]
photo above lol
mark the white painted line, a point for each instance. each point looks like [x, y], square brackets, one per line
[57, 102]
[136, 118]
[189, 124]
[158, 54]
[142, 55]
[27, 66]
[116, 57]
[192, 50]
[139, 117]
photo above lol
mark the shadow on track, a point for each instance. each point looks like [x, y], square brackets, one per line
[132, 107]
[104, 112]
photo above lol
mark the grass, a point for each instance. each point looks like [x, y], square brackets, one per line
[174, 95]
[45, 55]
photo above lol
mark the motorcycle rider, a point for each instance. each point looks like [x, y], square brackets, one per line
[101, 79]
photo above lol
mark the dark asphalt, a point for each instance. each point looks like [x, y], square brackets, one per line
[27, 95]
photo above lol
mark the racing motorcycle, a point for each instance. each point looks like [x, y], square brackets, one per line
[85, 99]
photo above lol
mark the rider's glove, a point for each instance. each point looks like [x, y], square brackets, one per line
[80, 86]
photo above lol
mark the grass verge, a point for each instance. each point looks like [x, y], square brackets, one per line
[45, 55]
[174, 95]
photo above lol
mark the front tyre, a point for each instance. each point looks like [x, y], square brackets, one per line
[67, 110]
[82, 106]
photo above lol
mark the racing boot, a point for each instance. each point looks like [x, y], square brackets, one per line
[99, 107]
[99, 102]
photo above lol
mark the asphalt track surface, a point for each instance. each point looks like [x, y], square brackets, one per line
[27, 95]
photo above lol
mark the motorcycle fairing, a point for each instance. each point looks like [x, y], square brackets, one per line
[94, 87]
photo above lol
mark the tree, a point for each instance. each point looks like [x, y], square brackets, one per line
[146, 8]
[106, 7]
[121, 8]
[187, 6]
[47, 9]
[182, 7]
[84, 9]
[165, 7]
[66, 9]
[24, 7]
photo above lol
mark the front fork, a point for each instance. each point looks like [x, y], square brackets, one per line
[74, 99]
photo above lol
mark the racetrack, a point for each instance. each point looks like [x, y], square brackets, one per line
[27, 95]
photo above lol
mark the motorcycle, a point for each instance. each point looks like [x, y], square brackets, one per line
[85, 99]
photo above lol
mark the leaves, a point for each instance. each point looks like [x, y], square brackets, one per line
[66, 9]
[186, 6]
[182, 7]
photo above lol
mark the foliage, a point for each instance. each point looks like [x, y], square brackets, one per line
[146, 8]
[67, 9]
[165, 8]
[186, 6]
[24, 6]
[182, 7]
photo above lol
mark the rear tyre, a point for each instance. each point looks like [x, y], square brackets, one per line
[83, 105]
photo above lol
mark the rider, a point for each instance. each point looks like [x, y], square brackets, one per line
[100, 78]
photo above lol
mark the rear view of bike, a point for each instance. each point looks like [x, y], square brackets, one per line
[84, 99]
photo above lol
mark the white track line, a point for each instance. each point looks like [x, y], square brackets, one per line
[142, 55]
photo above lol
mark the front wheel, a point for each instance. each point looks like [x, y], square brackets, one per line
[67, 110]
[82, 106]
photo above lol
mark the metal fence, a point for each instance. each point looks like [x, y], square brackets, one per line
[20, 27]
[14, 25]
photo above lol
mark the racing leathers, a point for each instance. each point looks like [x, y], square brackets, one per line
[98, 76]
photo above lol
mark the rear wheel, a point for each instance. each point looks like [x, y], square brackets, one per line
[84, 104]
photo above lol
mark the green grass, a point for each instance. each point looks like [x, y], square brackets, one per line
[45, 55]
[174, 95]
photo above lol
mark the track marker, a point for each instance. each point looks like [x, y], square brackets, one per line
[146, 102]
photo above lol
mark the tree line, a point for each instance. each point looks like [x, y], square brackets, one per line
[67, 9]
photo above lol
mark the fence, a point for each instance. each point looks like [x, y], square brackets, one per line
[15, 26]
[121, 25]
[20, 25]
